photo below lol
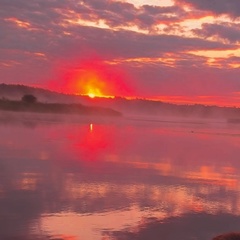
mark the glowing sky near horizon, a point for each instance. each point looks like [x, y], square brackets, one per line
[184, 51]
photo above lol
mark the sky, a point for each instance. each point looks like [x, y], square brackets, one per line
[182, 51]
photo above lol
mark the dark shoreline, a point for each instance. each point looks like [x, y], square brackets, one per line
[57, 108]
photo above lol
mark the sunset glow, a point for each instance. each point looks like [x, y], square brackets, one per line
[149, 49]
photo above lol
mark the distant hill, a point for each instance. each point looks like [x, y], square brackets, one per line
[15, 92]
[127, 107]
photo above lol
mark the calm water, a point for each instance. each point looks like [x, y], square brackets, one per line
[118, 179]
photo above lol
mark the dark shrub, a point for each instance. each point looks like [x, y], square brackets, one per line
[29, 98]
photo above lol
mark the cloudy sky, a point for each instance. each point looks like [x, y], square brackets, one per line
[186, 51]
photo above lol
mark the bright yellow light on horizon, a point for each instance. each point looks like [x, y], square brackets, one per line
[92, 91]
[93, 81]
[98, 95]
[91, 95]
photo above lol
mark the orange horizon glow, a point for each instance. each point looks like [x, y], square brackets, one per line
[178, 100]
[96, 79]
[220, 101]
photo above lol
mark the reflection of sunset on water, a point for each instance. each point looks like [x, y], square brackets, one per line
[162, 202]
[93, 144]
[85, 172]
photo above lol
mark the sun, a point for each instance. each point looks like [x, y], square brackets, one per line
[92, 91]
[91, 95]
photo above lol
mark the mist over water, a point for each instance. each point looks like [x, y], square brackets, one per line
[72, 177]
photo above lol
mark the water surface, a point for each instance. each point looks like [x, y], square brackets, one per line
[118, 179]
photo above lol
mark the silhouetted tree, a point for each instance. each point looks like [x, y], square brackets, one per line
[29, 98]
